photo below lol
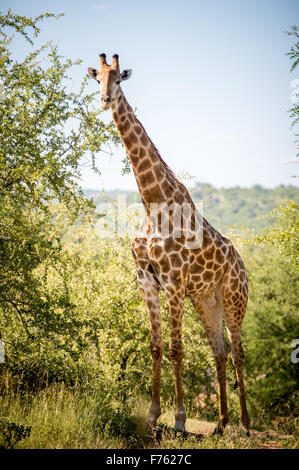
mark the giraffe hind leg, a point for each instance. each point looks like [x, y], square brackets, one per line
[238, 360]
[233, 318]
[211, 315]
[234, 295]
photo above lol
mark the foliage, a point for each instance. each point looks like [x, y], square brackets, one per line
[45, 133]
[294, 57]
[294, 52]
[45, 129]
[272, 319]
[20, 23]
[12, 433]
[284, 234]
[238, 207]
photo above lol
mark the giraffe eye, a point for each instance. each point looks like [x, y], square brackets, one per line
[117, 82]
[98, 81]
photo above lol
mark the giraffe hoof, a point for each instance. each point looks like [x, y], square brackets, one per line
[151, 421]
[218, 431]
[179, 426]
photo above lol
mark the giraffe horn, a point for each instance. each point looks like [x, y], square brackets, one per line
[115, 64]
[103, 60]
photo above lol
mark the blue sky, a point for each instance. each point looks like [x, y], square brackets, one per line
[210, 82]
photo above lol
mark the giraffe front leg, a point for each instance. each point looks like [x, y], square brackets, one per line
[176, 307]
[150, 294]
[156, 347]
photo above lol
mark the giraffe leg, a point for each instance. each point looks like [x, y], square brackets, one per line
[156, 347]
[211, 314]
[176, 307]
[234, 295]
[149, 289]
[234, 335]
[150, 294]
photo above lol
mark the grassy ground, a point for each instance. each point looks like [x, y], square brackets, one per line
[61, 418]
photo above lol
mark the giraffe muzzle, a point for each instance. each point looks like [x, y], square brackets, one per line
[106, 101]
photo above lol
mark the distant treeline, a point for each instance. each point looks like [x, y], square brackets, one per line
[225, 207]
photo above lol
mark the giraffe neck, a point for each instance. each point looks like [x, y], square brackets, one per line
[156, 182]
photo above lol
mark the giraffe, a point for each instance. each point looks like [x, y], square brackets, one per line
[195, 262]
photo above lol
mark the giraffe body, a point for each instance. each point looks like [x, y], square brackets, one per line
[192, 260]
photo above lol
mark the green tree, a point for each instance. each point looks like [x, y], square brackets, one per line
[46, 130]
[272, 320]
[294, 57]
[46, 134]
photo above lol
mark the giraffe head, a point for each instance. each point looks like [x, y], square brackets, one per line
[109, 78]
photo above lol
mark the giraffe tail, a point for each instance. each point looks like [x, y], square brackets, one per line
[235, 385]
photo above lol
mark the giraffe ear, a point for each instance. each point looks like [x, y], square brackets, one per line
[92, 73]
[126, 74]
